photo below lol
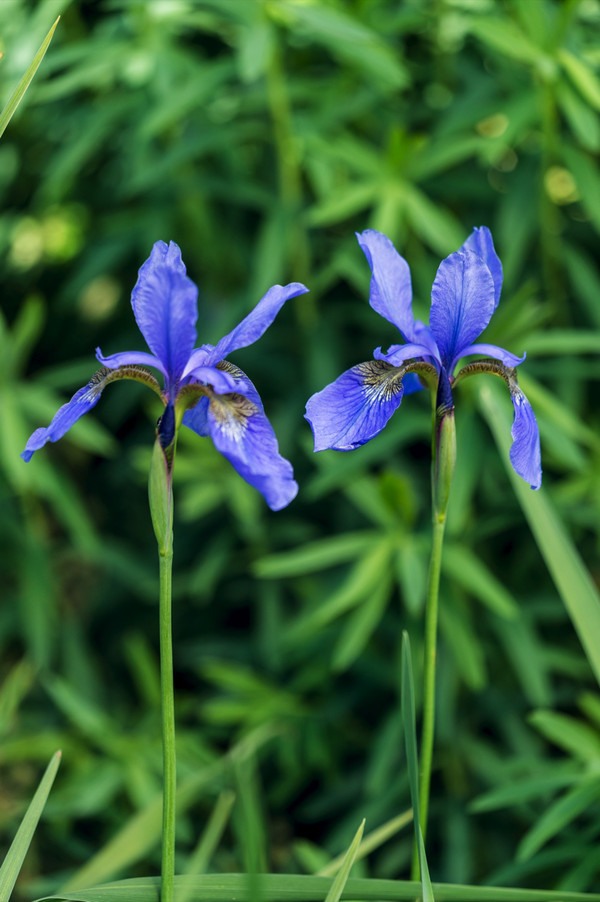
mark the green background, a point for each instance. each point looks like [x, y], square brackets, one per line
[260, 135]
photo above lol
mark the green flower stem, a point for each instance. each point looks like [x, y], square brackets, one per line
[168, 728]
[431, 619]
[160, 493]
[442, 471]
[428, 722]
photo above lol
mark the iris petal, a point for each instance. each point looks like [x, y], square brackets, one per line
[397, 354]
[81, 402]
[494, 351]
[220, 380]
[390, 293]
[256, 323]
[480, 242]
[242, 433]
[525, 450]
[356, 407]
[130, 358]
[196, 419]
[462, 303]
[165, 308]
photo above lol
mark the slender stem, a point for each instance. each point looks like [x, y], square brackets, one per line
[160, 496]
[428, 724]
[431, 618]
[168, 727]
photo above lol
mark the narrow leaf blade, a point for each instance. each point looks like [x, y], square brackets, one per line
[16, 98]
[410, 737]
[303, 888]
[339, 883]
[572, 580]
[9, 871]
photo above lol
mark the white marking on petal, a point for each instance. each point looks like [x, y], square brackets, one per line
[380, 381]
[232, 413]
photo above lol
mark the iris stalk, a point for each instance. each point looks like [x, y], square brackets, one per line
[442, 471]
[356, 407]
[168, 727]
[160, 492]
[205, 392]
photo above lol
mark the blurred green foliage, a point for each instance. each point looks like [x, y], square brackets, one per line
[259, 135]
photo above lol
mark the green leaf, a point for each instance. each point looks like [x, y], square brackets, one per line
[371, 841]
[472, 574]
[314, 556]
[582, 77]
[15, 100]
[575, 737]
[577, 590]
[434, 224]
[587, 178]
[9, 871]
[141, 833]
[209, 840]
[357, 587]
[466, 648]
[561, 813]
[410, 737]
[524, 649]
[361, 625]
[518, 792]
[341, 205]
[582, 120]
[337, 887]
[564, 341]
[345, 36]
[566, 422]
[505, 37]
[303, 888]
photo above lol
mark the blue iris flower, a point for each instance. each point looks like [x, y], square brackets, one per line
[356, 407]
[201, 388]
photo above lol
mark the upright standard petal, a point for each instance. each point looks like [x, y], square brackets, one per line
[462, 303]
[257, 322]
[390, 293]
[242, 433]
[480, 243]
[356, 407]
[525, 450]
[164, 302]
[81, 402]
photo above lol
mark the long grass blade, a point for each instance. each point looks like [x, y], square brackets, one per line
[337, 887]
[17, 96]
[304, 888]
[370, 842]
[410, 738]
[11, 866]
[572, 580]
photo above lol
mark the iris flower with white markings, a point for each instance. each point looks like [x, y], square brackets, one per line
[201, 388]
[356, 407]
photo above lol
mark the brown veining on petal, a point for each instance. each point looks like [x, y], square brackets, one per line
[230, 368]
[135, 372]
[381, 381]
[232, 412]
